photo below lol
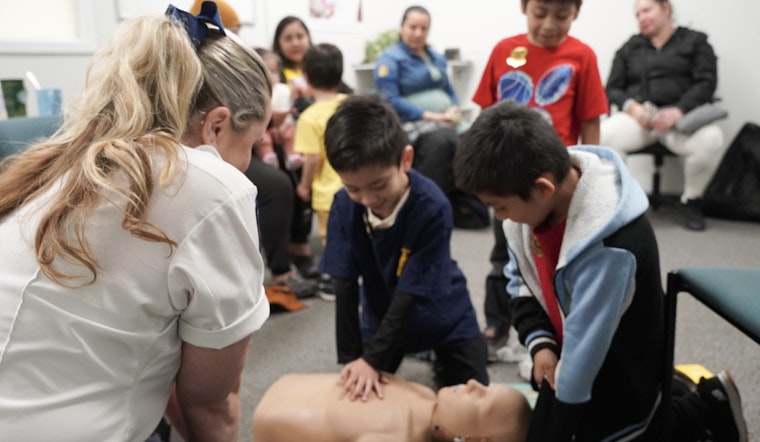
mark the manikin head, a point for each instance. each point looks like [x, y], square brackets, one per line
[474, 412]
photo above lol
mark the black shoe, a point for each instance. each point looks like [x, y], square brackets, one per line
[682, 384]
[305, 266]
[726, 417]
[325, 288]
[693, 216]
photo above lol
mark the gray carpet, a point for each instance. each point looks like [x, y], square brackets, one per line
[304, 341]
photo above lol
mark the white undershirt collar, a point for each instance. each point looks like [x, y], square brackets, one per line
[376, 223]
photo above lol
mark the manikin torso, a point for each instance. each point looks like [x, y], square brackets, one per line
[312, 407]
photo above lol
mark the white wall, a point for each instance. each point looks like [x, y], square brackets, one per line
[473, 26]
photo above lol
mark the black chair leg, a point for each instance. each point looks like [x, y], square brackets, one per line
[673, 288]
[658, 152]
[655, 198]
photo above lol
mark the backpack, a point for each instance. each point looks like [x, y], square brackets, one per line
[469, 211]
[734, 191]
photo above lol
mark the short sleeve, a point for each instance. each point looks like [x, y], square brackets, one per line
[485, 94]
[308, 138]
[592, 98]
[216, 276]
[428, 267]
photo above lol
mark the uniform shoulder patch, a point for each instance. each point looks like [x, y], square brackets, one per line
[382, 71]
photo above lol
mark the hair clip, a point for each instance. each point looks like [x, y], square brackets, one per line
[195, 25]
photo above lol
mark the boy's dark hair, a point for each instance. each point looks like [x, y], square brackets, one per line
[364, 132]
[576, 2]
[323, 66]
[507, 148]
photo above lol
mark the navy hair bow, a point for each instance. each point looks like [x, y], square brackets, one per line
[195, 25]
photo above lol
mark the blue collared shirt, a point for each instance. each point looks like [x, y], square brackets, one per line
[400, 72]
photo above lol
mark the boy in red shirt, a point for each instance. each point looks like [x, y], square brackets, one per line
[557, 75]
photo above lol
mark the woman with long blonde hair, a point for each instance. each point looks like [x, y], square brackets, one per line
[130, 249]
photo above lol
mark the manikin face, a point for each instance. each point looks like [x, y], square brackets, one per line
[653, 17]
[414, 30]
[379, 188]
[549, 23]
[294, 42]
[473, 409]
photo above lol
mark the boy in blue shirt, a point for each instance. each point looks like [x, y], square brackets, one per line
[585, 281]
[391, 227]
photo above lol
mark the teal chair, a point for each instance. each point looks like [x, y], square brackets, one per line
[732, 293]
[16, 134]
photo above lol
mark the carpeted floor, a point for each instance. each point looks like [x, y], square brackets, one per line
[304, 341]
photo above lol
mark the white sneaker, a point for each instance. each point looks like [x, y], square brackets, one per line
[526, 369]
[514, 352]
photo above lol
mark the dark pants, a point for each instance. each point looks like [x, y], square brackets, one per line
[496, 306]
[283, 217]
[687, 413]
[460, 361]
[433, 156]
[455, 363]
[300, 226]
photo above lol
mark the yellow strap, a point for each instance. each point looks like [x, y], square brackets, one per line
[402, 261]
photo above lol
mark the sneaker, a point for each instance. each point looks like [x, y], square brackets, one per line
[512, 352]
[305, 266]
[525, 369]
[693, 216]
[325, 288]
[494, 341]
[726, 416]
[294, 283]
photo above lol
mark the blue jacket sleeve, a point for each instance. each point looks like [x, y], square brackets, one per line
[387, 80]
[602, 283]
